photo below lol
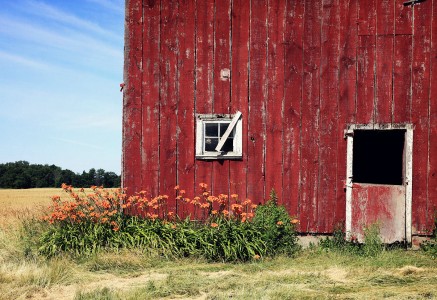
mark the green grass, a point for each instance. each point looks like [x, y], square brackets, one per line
[131, 274]
[316, 273]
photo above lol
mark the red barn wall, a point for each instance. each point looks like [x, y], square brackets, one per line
[300, 72]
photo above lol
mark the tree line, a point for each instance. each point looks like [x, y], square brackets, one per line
[23, 175]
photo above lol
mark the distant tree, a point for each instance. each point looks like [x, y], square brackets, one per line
[22, 175]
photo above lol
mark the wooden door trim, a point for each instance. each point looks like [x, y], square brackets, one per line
[408, 171]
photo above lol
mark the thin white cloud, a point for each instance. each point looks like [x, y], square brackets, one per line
[9, 57]
[70, 41]
[117, 6]
[50, 12]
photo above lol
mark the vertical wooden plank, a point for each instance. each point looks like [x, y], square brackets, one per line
[239, 88]
[293, 70]
[384, 61]
[131, 178]
[403, 19]
[366, 62]
[347, 96]
[402, 63]
[402, 79]
[385, 10]
[204, 75]
[422, 17]
[384, 79]
[367, 17]
[150, 99]
[186, 124]
[169, 99]
[432, 173]
[329, 82]
[310, 116]
[257, 97]
[222, 29]
[275, 92]
[365, 79]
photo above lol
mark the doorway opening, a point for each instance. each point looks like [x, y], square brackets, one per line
[379, 179]
[378, 156]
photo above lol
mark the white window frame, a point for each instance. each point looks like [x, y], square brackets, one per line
[235, 121]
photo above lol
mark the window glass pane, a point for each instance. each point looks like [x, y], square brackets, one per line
[223, 127]
[211, 129]
[229, 145]
[211, 143]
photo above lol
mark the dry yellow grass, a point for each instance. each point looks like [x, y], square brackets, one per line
[132, 275]
[16, 205]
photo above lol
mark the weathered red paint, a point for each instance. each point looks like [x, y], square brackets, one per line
[422, 216]
[300, 72]
[185, 151]
[204, 87]
[239, 88]
[293, 68]
[329, 82]
[257, 98]
[383, 205]
[275, 92]
[347, 96]
[222, 61]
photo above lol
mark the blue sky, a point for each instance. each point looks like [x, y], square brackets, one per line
[61, 63]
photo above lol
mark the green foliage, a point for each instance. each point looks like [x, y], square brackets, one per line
[23, 175]
[430, 247]
[372, 241]
[77, 238]
[371, 247]
[276, 227]
[231, 240]
[219, 238]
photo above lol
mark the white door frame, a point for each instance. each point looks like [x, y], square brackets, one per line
[408, 170]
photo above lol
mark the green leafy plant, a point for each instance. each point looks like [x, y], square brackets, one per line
[430, 247]
[371, 247]
[278, 229]
[225, 231]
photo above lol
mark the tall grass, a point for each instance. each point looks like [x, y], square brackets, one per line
[316, 273]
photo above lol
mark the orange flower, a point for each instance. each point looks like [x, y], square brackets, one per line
[173, 226]
[279, 223]
[176, 187]
[214, 212]
[234, 196]
[294, 221]
[256, 257]
[214, 225]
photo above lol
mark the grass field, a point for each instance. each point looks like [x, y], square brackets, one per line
[313, 274]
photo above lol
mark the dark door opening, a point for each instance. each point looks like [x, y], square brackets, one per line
[378, 156]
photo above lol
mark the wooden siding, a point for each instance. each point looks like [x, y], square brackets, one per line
[300, 72]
